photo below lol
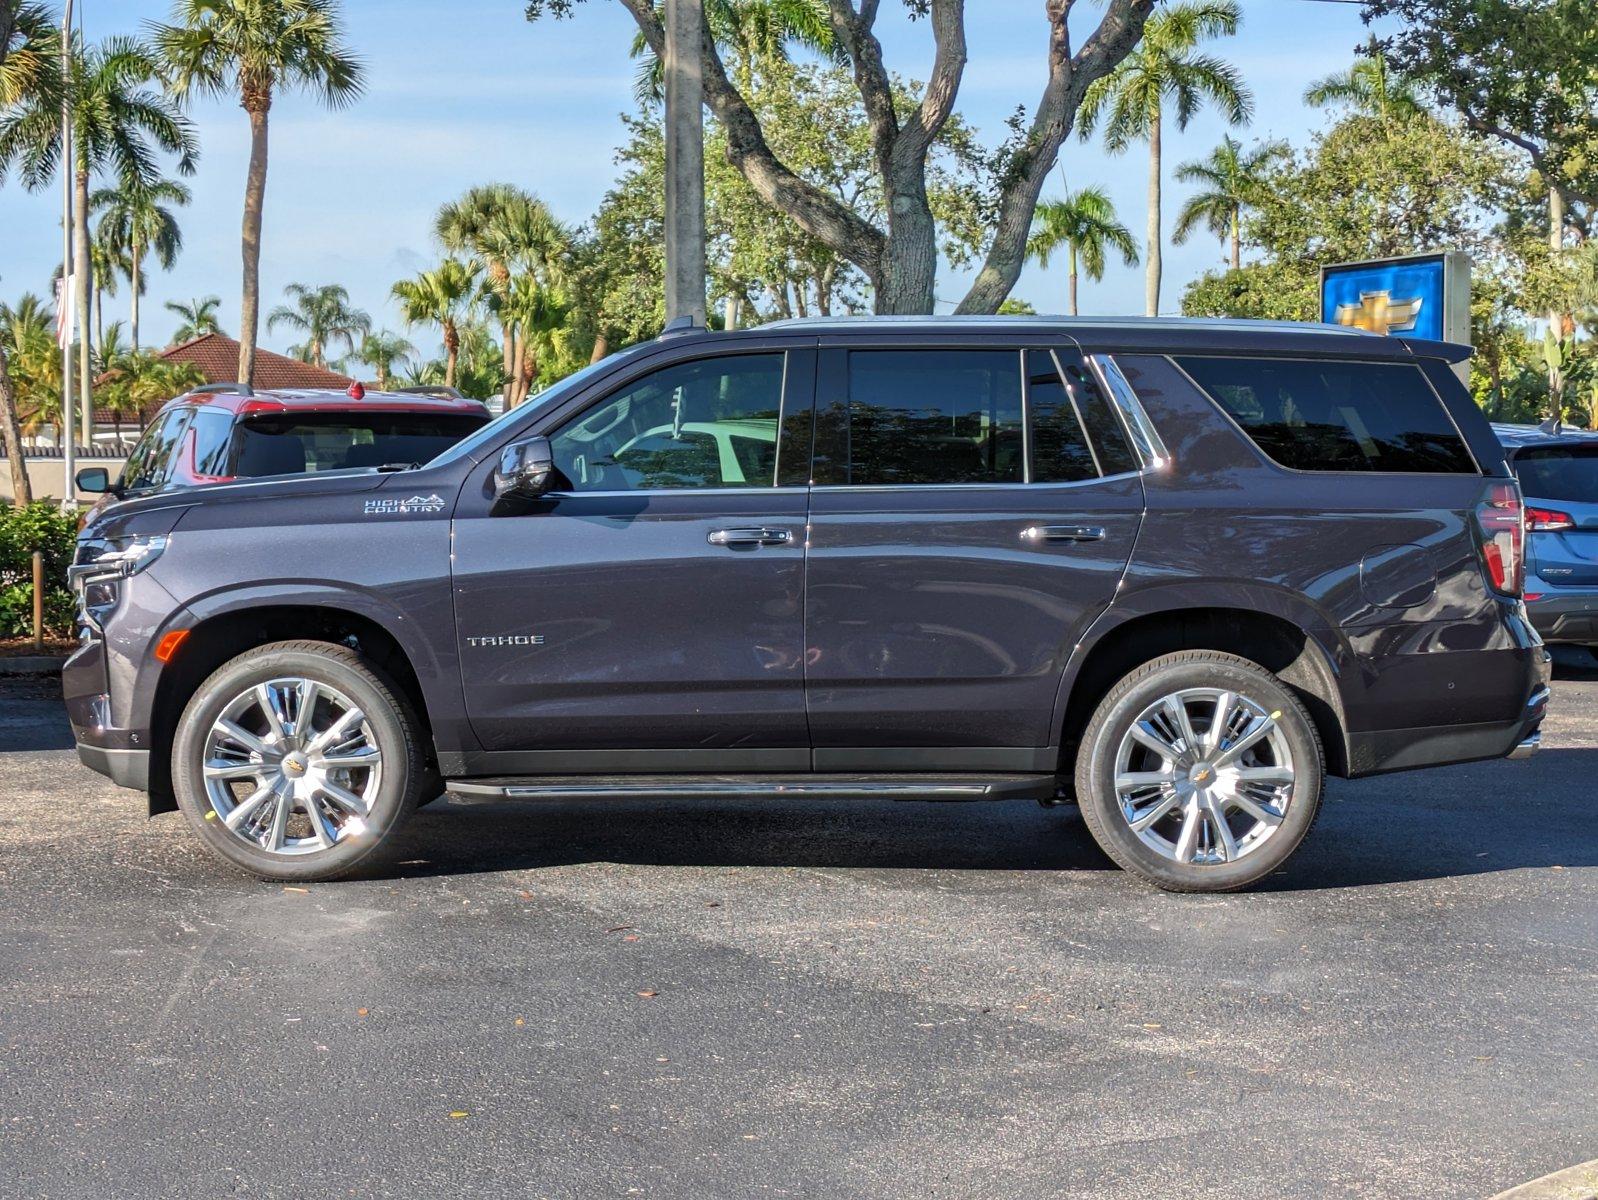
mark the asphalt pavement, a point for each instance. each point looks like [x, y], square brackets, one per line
[817, 999]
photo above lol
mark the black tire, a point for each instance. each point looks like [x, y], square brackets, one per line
[394, 730]
[1113, 719]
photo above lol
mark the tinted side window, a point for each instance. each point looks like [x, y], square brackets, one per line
[934, 416]
[1336, 416]
[150, 464]
[711, 423]
[213, 435]
[1104, 428]
[1060, 451]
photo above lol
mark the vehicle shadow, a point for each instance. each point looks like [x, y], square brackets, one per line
[1451, 822]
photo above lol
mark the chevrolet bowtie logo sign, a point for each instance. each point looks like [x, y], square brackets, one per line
[1380, 313]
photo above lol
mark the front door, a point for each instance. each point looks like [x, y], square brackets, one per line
[647, 615]
[974, 511]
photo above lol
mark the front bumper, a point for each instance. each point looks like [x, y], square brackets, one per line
[1566, 616]
[125, 768]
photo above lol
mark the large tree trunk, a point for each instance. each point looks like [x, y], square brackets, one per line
[85, 266]
[21, 491]
[1072, 252]
[1156, 236]
[910, 263]
[135, 278]
[601, 346]
[1237, 239]
[452, 352]
[258, 106]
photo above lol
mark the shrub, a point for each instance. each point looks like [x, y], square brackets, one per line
[40, 526]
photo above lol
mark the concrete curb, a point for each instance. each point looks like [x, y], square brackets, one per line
[32, 664]
[1573, 1183]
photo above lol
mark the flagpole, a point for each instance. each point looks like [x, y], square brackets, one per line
[69, 456]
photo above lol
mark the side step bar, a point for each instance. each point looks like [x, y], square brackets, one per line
[758, 787]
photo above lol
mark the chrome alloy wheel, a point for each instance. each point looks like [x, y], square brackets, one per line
[1204, 776]
[291, 767]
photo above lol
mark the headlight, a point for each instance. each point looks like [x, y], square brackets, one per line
[119, 557]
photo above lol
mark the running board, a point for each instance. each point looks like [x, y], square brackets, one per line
[758, 787]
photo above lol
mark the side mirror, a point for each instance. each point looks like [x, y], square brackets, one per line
[94, 480]
[526, 470]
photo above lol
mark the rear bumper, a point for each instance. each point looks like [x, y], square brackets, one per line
[1384, 751]
[1566, 616]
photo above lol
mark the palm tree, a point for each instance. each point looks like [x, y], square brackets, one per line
[29, 58]
[1084, 223]
[255, 48]
[323, 314]
[1232, 179]
[442, 297]
[27, 333]
[383, 351]
[117, 123]
[1166, 66]
[504, 229]
[1369, 87]
[197, 318]
[134, 221]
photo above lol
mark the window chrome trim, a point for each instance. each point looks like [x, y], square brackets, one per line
[1145, 438]
[683, 491]
[966, 487]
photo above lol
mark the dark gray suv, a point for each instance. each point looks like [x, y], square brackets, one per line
[1177, 571]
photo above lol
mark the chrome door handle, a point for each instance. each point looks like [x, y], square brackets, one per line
[750, 537]
[1063, 533]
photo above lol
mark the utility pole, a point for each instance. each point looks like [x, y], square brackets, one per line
[685, 161]
[69, 489]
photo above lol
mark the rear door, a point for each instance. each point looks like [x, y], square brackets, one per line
[1562, 480]
[965, 530]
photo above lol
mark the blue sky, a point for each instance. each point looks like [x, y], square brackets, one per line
[468, 92]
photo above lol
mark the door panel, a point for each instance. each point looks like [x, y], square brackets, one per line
[648, 635]
[657, 614]
[932, 621]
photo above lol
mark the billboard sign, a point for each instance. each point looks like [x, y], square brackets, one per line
[1425, 296]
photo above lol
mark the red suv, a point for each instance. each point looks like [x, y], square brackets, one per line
[227, 431]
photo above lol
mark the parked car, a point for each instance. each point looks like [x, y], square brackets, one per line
[1558, 473]
[1175, 570]
[225, 431]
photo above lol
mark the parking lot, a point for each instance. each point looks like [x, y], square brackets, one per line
[801, 999]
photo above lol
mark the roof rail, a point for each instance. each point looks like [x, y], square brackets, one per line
[679, 325]
[209, 389]
[431, 390]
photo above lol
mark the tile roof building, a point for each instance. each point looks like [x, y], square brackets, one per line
[217, 356]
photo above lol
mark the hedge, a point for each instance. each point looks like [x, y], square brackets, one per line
[39, 526]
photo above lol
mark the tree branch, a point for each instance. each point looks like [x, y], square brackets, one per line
[1069, 79]
[948, 67]
[817, 213]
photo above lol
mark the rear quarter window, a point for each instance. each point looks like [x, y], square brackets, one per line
[1329, 415]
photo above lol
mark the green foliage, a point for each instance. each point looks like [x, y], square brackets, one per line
[44, 527]
[1359, 191]
[324, 315]
[1523, 71]
[196, 318]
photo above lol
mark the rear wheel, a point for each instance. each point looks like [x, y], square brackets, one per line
[298, 761]
[1200, 772]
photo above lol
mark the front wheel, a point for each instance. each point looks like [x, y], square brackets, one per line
[297, 761]
[1200, 772]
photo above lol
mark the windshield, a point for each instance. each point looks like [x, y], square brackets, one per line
[307, 443]
[1567, 473]
[473, 445]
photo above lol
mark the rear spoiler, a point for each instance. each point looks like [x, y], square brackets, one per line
[1449, 352]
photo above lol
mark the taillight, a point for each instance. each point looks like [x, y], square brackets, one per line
[1548, 520]
[1502, 519]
